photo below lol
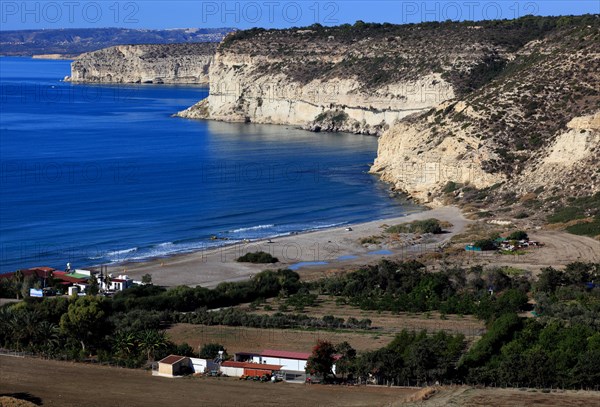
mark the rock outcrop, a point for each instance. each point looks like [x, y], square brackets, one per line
[156, 63]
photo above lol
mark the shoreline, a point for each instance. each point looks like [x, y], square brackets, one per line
[319, 251]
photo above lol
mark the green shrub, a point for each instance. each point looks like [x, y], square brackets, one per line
[485, 244]
[258, 258]
[577, 209]
[418, 226]
[370, 240]
[518, 235]
[566, 214]
[451, 186]
[586, 228]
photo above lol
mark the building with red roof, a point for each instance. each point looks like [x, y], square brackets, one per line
[293, 364]
[172, 366]
[41, 274]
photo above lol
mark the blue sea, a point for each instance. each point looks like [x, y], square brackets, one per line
[99, 174]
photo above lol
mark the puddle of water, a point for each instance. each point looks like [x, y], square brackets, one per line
[380, 252]
[307, 264]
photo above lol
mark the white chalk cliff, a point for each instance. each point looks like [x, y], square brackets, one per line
[157, 63]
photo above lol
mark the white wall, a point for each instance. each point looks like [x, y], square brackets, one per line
[287, 364]
[201, 365]
[232, 371]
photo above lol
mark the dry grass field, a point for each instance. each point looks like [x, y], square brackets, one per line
[485, 397]
[386, 321]
[63, 384]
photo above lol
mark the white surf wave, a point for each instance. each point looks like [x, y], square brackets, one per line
[248, 229]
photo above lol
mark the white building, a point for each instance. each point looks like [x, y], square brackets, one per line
[233, 369]
[292, 361]
[119, 283]
[293, 364]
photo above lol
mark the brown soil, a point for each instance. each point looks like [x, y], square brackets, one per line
[66, 384]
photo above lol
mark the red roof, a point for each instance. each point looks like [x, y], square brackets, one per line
[39, 272]
[284, 354]
[247, 365]
[171, 359]
[63, 275]
[46, 269]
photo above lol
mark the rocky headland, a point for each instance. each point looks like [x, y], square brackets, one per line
[152, 63]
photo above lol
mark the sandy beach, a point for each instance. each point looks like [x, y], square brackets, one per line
[311, 252]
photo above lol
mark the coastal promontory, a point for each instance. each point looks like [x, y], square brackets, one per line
[152, 63]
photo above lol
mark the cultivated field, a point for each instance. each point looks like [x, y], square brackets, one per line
[386, 322]
[64, 384]
[385, 326]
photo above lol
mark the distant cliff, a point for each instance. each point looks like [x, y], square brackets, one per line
[75, 41]
[157, 63]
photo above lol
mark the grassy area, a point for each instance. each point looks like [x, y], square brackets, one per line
[578, 208]
[591, 229]
[384, 323]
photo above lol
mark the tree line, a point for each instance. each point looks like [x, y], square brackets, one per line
[558, 344]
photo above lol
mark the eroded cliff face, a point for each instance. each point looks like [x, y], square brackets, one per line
[358, 80]
[572, 160]
[418, 161]
[239, 94]
[157, 63]
[534, 127]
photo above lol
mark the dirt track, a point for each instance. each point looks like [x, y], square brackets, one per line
[560, 248]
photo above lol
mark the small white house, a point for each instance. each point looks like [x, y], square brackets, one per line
[119, 283]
